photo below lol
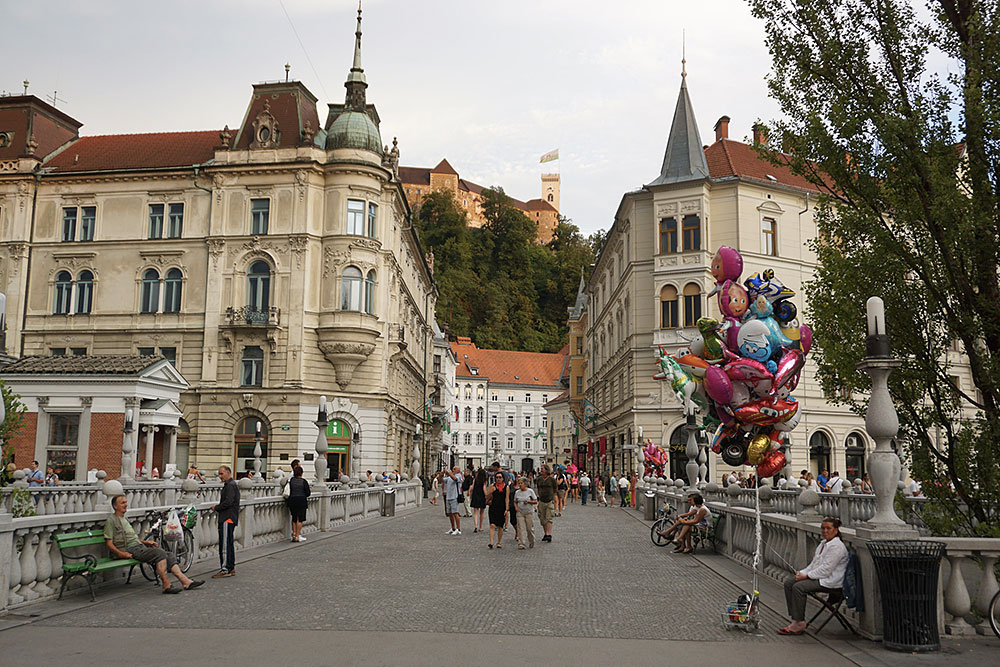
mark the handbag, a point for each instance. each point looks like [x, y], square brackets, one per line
[461, 496]
[287, 491]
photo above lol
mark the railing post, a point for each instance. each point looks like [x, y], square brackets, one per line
[6, 554]
[956, 596]
[987, 589]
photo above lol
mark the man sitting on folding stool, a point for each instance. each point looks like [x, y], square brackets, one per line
[824, 574]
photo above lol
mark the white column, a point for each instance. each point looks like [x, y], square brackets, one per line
[172, 457]
[149, 430]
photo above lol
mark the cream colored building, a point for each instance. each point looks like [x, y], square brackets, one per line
[272, 264]
[649, 287]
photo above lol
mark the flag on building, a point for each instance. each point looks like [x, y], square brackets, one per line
[427, 411]
[446, 422]
[539, 432]
[551, 156]
[589, 412]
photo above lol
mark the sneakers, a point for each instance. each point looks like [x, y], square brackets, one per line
[451, 532]
[301, 539]
[458, 532]
[520, 547]
[222, 573]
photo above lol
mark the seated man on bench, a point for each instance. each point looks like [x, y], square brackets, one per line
[698, 515]
[123, 543]
[824, 574]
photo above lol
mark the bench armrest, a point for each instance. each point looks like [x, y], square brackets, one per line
[90, 558]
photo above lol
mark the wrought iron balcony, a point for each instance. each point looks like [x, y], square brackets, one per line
[251, 316]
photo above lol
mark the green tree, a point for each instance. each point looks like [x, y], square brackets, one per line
[14, 419]
[908, 157]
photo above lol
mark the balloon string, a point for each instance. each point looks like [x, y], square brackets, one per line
[757, 537]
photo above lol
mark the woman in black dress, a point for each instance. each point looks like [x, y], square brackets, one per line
[297, 502]
[497, 496]
[478, 501]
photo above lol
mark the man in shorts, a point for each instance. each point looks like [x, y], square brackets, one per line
[452, 484]
[123, 543]
[546, 501]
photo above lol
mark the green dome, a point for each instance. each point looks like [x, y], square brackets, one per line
[354, 129]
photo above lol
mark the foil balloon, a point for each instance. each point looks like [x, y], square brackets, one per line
[718, 386]
[771, 465]
[753, 342]
[758, 448]
[734, 452]
[712, 346]
[788, 368]
[733, 300]
[726, 265]
[766, 411]
[764, 284]
[762, 311]
[722, 432]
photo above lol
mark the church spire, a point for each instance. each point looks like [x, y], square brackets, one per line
[356, 82]
[684, 159]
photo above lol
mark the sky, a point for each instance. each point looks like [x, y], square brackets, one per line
[491, 85]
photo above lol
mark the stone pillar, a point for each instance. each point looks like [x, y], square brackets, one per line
[172, 456]
[150, 431]
[6, 554]
[128, 449]
[692, 454]
[321, 423]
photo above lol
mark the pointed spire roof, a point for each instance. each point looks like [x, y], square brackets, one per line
[581, 299]
[684, 159]
[356, 82]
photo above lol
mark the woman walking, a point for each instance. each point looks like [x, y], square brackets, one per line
[562, 487]
[478, 500]
[435, 489]
[297, 502]
[497, 496]
[574, 487]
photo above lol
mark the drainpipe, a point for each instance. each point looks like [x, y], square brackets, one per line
[27, 268]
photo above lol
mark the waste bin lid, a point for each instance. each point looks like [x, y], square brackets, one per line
[906, 549]
[650, 494]
[388, 490]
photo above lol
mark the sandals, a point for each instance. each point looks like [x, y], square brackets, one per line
[491, 545]
[787, 632]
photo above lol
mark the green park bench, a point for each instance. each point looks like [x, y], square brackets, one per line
[90, 564]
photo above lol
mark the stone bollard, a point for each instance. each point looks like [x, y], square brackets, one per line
[112, 488]
[189, 491]
[808, 501]
[245, 526]
[732, 495]
[766, 494]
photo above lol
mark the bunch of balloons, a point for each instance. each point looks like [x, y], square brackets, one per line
[655, 458]
[742, 370]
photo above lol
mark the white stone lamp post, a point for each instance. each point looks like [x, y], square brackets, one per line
[882, 425]
[321, 423]
[257, 451]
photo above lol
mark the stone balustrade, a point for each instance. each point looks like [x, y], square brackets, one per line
[789, 538]
[31, 563]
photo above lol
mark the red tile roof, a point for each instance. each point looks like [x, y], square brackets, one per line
[444, 168]
[538, 369]
[119, 152]
[727, 158]
[539, 205]
[415, 175]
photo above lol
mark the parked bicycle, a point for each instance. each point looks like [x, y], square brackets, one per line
[665, 520]
[182, 550]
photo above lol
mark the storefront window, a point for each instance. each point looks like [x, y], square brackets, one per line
[855, 456]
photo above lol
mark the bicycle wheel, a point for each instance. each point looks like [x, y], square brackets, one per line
[994, 610]
[185, 551]
[654, 532]
[148, 571]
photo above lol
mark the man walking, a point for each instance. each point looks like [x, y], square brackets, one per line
[525, 501]
[452, 483]
[467, 491]
[584, 487]
[228, 510]
[546, 502]
[612, 489]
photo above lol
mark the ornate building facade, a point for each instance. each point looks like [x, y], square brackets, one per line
[271, 264]
[650, 285]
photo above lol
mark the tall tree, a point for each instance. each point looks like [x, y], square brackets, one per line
[908, 154]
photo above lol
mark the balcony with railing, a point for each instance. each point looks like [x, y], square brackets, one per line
[252, 316]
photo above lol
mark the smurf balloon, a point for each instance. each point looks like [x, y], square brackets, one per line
[726, 265]
[753, 343]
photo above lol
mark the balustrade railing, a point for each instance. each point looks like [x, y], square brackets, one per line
[31, 563]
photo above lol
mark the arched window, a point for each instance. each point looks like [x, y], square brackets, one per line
[150, 298]
[480, 414]
[479, 439]
[370, 292]
[245, 440]
[350, 289]
[468, 392]
[480, 392]
[819, 451]
[84, 292]
[64, 293]
[467, 439]
[854, 457]
[467, 414]
[668, 307]
[172, 292]
[692, 304]
[259, 287]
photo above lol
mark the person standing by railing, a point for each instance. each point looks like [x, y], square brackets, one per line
[297, 501]
[51, 478]
[35, 476]
[228, 509]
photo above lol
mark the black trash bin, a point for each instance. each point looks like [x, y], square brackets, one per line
[388, 502]
[908, 581]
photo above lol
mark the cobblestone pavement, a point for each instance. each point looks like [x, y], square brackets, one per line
[407, 574]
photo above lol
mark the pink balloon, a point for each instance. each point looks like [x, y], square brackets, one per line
[805, 338]
[791, 363]
[718, 385]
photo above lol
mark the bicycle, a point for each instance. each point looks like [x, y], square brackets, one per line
[182, 550]
[992, 613]
[665, 521]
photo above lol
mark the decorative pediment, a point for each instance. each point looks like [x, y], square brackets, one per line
[770, 206]
[265, 129]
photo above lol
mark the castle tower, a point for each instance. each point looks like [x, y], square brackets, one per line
[550, 190]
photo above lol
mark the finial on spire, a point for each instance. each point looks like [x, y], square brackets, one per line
[683, 54]
[356, 82]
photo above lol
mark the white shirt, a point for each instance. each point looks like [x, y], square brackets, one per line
[914, 487]
[731, 479]
[623, 483]
[585, 482]
[834, 484]
[828, 564]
